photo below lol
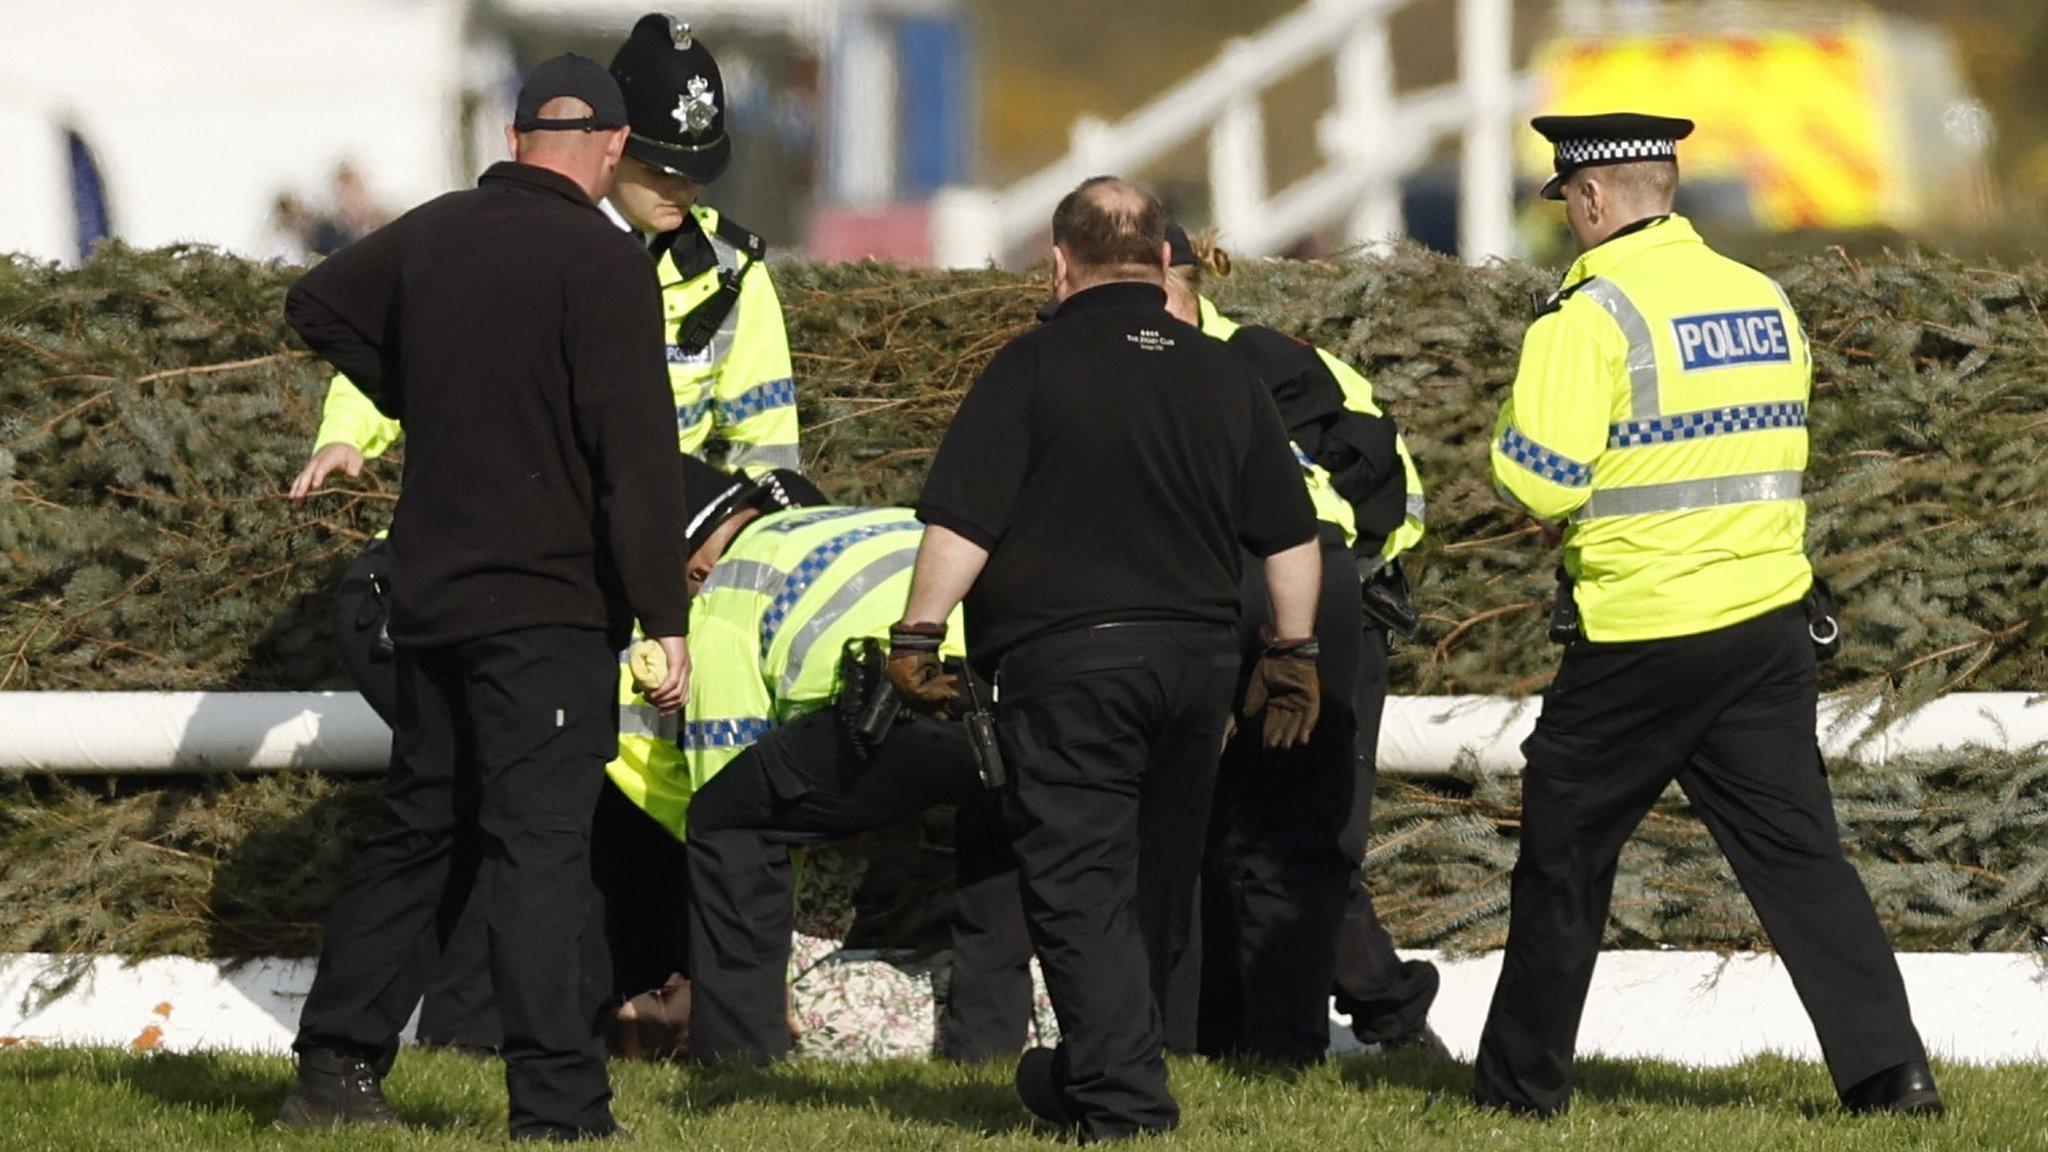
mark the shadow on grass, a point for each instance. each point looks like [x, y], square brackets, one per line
[214, 1083]
[1596, 1079]
[903, 1092]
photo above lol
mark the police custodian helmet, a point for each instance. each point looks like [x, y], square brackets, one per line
[675, 100]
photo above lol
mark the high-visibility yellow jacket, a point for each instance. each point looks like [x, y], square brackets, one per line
[1660, 410]
[766, 633]
[1331, 506]
[738, 386]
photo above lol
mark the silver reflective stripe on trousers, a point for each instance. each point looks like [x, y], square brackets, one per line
[1642, 352]
[1687, 495]
[849, 594]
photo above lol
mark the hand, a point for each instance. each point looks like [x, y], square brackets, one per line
[918, 674]
[326, 460]
[1285, 688]
[671, 694]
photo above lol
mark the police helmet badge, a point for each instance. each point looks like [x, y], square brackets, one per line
[697, 107]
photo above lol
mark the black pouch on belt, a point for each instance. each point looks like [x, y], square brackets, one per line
[868, 705]
[1564, 612]
[1823, 621]
[1383, 594]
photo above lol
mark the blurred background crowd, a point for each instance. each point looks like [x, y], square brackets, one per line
[929, 131]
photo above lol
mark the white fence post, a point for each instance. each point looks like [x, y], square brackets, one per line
[1486, 176]
[1237, 165]
[1365, 121]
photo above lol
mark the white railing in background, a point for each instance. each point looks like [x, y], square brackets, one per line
[120, 733]
[1372, 137]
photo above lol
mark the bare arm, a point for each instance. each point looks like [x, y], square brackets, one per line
[1294, 579]
[948, 564]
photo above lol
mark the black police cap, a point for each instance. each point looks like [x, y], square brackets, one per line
[675, 100]
[569, 75]
[1610, 138]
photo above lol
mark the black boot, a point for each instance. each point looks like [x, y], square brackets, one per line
[1906, 1090]
[335, 1089]
[1038, 1085]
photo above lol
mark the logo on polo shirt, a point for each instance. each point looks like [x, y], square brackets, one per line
[1150, 340]
[1731, 339]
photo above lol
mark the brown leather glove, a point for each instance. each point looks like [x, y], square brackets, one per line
[1286, 689]
[917, 672]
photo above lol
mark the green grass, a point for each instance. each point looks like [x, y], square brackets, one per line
[102, 1099]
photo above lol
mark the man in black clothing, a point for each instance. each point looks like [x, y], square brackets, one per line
[516, 332]
[1088, 504]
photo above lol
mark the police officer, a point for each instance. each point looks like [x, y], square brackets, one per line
[771, 757]
[1089, 503]
[728, 354]
[1283, 897]
[1659, 416]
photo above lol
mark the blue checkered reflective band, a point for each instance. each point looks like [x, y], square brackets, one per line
[687, 415]
[759, 399]
[813, 566]
[1542, 461]
[697, 735]
[1712, 422]
[1731, 339]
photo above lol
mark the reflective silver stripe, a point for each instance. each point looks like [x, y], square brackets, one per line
[744, 575]
[1791, 317]
[764, 456]
[849, 594]
[729, 260]
[1642, 352]
[1686, 495]
[1417, 505]
[647, 720]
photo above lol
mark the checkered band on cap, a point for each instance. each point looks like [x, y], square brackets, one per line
[1577, 153]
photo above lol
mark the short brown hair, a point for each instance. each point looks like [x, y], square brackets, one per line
[1108, 225]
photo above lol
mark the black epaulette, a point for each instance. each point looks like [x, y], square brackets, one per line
[1545, 305]
[742, 238]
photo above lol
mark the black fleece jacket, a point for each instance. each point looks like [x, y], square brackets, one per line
[517, 334]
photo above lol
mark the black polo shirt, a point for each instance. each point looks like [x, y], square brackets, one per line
[1113, 462]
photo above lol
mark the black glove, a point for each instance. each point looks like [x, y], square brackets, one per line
[1286, 689]
[917, 672]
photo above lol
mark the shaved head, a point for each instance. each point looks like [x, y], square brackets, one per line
[1652, 184]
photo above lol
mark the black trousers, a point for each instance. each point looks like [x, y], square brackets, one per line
[1729, 715]
[505, 738]
[1277, 877]
[458, 1010]
[642, 875]
[1387, 998]
[801, 784]
[1111, 735]
[987, 1011]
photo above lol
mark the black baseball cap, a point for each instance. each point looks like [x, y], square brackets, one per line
[1180, 250]
[570, 75]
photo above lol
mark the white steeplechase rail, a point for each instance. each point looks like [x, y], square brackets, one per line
[123, 733]
[1371, 138]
